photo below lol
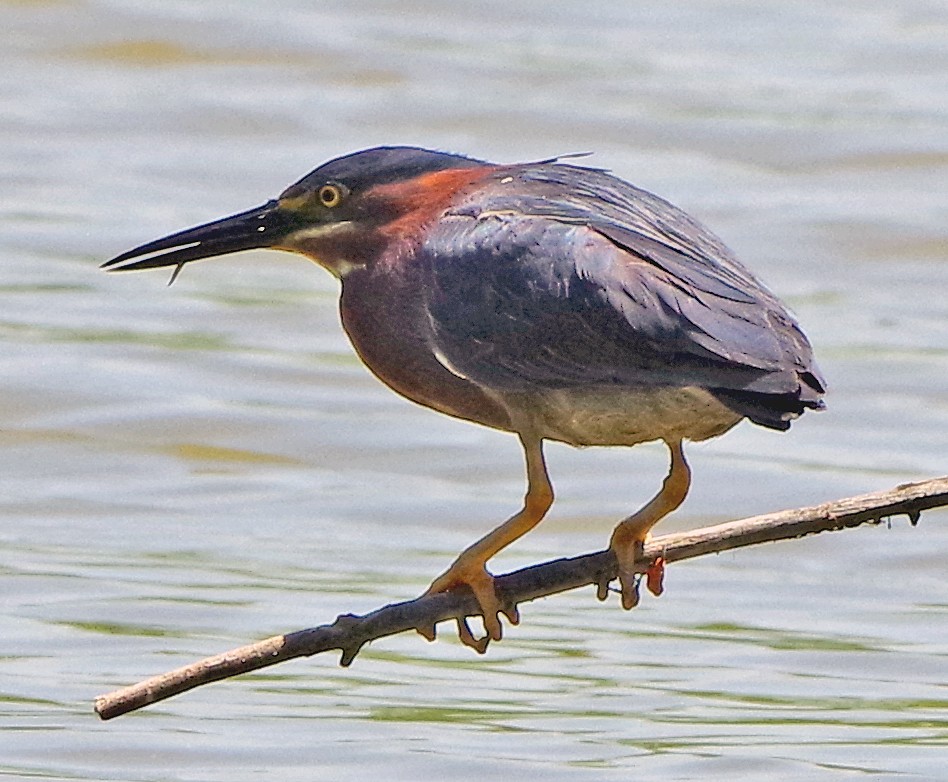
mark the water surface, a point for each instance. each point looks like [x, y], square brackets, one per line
[185, 470]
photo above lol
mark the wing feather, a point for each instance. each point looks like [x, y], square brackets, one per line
[577, 278]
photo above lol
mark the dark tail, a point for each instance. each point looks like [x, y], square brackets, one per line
[776, 411]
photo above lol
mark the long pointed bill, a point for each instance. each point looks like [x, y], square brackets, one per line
[263, 226]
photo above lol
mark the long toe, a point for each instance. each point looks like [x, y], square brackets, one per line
[629, 589]
[629, 558]
[481, 583]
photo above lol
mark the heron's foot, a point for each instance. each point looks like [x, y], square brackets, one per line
[472, 573]
[630, 558]
[629, 536]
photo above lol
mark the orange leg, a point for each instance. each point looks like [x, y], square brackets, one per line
[629, 536]
[470, 567]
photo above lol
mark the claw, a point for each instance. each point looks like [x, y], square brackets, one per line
[467, 638]
[629, 584]
[602, 587]
[628, 556]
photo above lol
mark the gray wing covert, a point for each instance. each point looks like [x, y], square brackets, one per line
[549, 293]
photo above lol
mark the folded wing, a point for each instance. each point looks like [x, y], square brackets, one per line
[582, 279]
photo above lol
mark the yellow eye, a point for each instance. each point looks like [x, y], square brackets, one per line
[330, 195]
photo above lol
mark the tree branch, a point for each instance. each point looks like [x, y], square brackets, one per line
[349, 632]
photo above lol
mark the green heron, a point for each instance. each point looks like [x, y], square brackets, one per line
[547, 299]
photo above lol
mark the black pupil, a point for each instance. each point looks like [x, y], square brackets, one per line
[329, 195]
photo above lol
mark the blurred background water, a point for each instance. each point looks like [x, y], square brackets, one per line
[188, 469]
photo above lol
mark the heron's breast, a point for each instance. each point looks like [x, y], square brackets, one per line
[390, 330]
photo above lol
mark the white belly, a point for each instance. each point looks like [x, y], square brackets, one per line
[623, 416]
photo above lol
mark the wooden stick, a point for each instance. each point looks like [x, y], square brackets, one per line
[349, 632]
